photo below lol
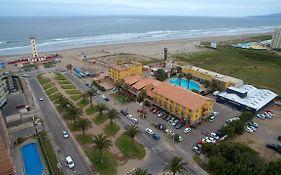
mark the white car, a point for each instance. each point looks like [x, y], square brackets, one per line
[134, 120]
[130, 116]
[41, 99]
[180, 138]
[248, 130]
[69, 162]
[149, 131]
[212, 118]
[187, 130]
[216, 113]
[65, 134]
[24, 75]
[214, 135]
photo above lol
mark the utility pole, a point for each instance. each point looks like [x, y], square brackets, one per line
[165, 56]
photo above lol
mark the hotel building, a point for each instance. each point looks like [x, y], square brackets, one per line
[276, 39]
[118, 71]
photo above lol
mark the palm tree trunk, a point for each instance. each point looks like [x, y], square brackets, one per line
[83, 131]
[101, 159]
[91, 102]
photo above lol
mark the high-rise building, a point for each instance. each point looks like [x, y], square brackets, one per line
[3, 91]
[276, 39]
[33, 46]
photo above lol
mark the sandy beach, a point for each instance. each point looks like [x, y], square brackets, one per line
[142, 51]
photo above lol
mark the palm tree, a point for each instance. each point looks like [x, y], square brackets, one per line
[84, 124]
[74, 113]
[188, 76]
[119, 85]
[142, 95]
[180, 76]
[175, 165]
[101, 143]
[90, 94]
[69, 67]
[139, 171]
[179, 69]
[100, 108]
[112, 115]
[132, 132]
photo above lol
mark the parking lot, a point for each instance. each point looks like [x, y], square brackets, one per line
[190, 138]
[267, 133]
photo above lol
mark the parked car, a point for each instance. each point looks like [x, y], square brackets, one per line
[149, 131]
[179, 125]
[254, 124]
[187, 130]
[215, 136]
[275, 147]
[247, 129]
[161, 127]
[261, 116]
[196, 149]
[252, 127]
[212, 118]
[134, 120]
[65, 134]
[124, 112]
[156, 136]
[69, 162]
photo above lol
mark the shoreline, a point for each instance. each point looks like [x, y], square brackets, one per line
[120, 46]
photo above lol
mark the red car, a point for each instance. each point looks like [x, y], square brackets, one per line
[151, 109]
[200, 142]
[267, 110]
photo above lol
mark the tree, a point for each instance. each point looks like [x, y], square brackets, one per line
[176, 138]
[100, 108]
[188, 76]
[119, 84]
[160, 75]
[246, 116]
[69, 67]
[73, 113]
[112, 115]
[90, 94]
[179, 69]
[101, 143]
[274, 168]
[238, 126]
[175, 165]
[132, 132]
[142, 95]
[139, 171]
[84, 124]
[228, 130]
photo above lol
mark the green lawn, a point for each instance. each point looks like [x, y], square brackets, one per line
[73, 91]
[84, 139]
[51, 90]
[121, 98]
[99, 119]
[130, 149]
[82, 103]
[109, 164]
[64, 82]
[49, 154]
[42, 80]
[59, 76]
[260, 68]
[68, 86]
[48, 85]
[55, 96]
[111, 130]
[75, 97]
[90, 110]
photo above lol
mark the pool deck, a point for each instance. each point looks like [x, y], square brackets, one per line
[18, 159]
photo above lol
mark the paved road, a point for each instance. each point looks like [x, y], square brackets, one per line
[65, 146]
[161, 151]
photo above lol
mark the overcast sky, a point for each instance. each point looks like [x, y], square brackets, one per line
[232, 8]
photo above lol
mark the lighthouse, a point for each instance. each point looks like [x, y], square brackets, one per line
[33, 46]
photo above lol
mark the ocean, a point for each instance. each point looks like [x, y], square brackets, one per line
[57, 33]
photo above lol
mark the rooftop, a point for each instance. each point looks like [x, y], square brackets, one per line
[132, 79]
[5, 160]
[256, 98]
[217, 76]
[181, 96]
[124, 66]
[144, 82]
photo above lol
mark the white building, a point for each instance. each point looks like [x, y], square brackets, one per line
[33, 46]
[3, 91]
[276, 39]
[246, 97]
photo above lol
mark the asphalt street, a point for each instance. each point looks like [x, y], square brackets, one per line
[65, 146]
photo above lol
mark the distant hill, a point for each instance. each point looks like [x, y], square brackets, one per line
[275, 15]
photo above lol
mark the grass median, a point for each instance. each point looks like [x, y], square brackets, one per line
[107, 166]
[51, 90]
[73, 91]
[68, 86]
[111, 130]
[131, 149]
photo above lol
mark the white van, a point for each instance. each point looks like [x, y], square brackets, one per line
[69, 162]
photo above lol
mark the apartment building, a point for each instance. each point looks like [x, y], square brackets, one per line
[119, 71]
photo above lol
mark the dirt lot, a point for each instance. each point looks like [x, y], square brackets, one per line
[267, 133]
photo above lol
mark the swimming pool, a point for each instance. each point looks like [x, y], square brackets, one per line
[184, 83]
[31, 159]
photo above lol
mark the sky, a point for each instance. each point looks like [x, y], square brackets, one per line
[223, 8]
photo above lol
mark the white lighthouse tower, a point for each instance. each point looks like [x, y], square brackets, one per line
[33, 46]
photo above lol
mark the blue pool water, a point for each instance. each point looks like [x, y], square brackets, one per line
[31, 158]
[184, 83]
